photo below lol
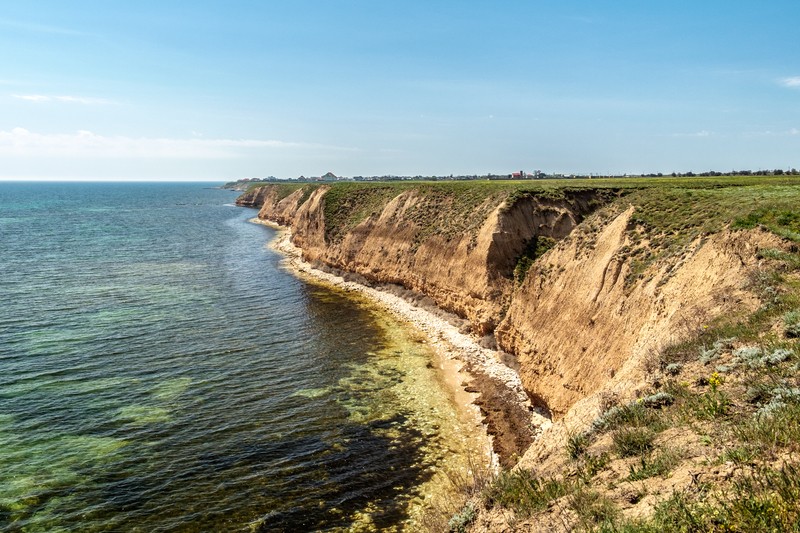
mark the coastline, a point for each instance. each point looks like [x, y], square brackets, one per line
[481, 384]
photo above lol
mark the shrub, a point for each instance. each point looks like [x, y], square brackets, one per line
[658, 400]
[535, 248]
[779, 427]
[633, 414]
[748, 355]
[756, 357]
[673, 369]
[779, 355]
[779, 398]
[462, 519]
[791, 322]
[707, 356]
[711, 405]
[577, 444]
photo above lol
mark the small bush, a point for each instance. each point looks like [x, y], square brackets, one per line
[769, 500]
[779, 398]
[634, 414]
[535, 248]
[757, 393]
[707, 356]
[748, 355]
[629, 442]
[740, 455]
[658, 400]
[592, 464]
[673, 369]
[756, 357]
[791, 322]
[711, 405]
[577, 444]
[462, 519]
[779, 355]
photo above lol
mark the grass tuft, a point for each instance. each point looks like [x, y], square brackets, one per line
[523, 492]
[630, 442]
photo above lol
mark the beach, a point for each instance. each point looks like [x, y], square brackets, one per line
[476, 375]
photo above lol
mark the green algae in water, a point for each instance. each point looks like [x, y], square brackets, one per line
[143, 414]
[313, 393]
[171, 389]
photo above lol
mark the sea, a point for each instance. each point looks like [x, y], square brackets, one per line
[160, 370]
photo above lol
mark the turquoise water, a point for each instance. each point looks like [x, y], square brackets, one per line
[160, 372]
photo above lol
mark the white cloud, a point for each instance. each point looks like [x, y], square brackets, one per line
[793, 82]
[773, 133]
[31, 97]
[702, 133]
[23, 143]
[68, 99]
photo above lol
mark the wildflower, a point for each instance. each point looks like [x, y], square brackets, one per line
[715, 380]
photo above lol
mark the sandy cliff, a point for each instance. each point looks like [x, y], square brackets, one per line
[578, 324]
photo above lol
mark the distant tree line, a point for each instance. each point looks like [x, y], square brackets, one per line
[774, 172]
[521, 175]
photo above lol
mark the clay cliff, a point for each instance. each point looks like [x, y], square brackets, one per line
[585, 316]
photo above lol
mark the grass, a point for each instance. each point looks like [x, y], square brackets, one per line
[522, 491]
[772, 431]
[659, 463]
[673, 211]
[630, 442]
[593, 509]
[766, 500]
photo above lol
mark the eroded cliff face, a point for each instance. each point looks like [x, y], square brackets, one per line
[578, 324]
[468, 273]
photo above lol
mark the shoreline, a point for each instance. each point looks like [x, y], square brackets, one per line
[492, 392]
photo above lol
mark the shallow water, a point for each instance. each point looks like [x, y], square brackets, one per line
[160, 372]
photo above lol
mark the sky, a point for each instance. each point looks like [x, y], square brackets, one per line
[214, 91]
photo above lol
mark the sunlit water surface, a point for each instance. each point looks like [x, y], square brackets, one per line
[160, 372]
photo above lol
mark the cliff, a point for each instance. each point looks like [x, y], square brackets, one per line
[587, 288]
[573, 323]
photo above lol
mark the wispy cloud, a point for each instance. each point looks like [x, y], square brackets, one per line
[792, 82]
[67, 99]
[23, 143]
[39, 28]
[770, 133]
[703, 133]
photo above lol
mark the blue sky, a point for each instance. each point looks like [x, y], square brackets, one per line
[217, 90]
